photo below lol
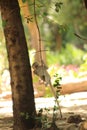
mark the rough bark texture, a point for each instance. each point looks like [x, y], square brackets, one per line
[20, 70]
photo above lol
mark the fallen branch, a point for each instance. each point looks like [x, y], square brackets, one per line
[71, 87]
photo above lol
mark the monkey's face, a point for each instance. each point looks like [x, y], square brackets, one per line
[35, 65]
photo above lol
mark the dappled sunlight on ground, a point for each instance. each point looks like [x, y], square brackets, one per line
[5, 108]
[76, 102]
[75, 99]
[71, 104]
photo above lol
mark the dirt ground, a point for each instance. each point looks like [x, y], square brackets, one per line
[70, 104]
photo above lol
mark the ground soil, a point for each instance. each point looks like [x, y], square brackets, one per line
[70, 104]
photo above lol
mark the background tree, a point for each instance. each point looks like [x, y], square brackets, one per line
[19, 66]
[27, 9]
[64, 22]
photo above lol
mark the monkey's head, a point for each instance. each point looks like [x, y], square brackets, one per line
[35, 65]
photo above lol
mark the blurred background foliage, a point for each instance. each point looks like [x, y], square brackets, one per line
[58, 21]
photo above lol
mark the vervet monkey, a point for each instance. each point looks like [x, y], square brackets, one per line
[41, 71]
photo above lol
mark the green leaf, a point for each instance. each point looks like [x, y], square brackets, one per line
[22, 114]
[58, 6]
[27, 116]
[55, 108]
[45, 13]
[23, 1]
[56, 9]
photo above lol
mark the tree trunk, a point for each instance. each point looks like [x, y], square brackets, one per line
[19, 66]
[34, 33]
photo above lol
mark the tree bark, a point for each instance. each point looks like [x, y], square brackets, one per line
[34, 33]
[19, 66]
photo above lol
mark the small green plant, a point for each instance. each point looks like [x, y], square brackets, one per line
[25, 115]
[57, 86]
[56, 83]
[58, 6]
[44, 114]
[45, 119]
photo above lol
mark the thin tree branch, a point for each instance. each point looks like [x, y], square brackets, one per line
[80, 36]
